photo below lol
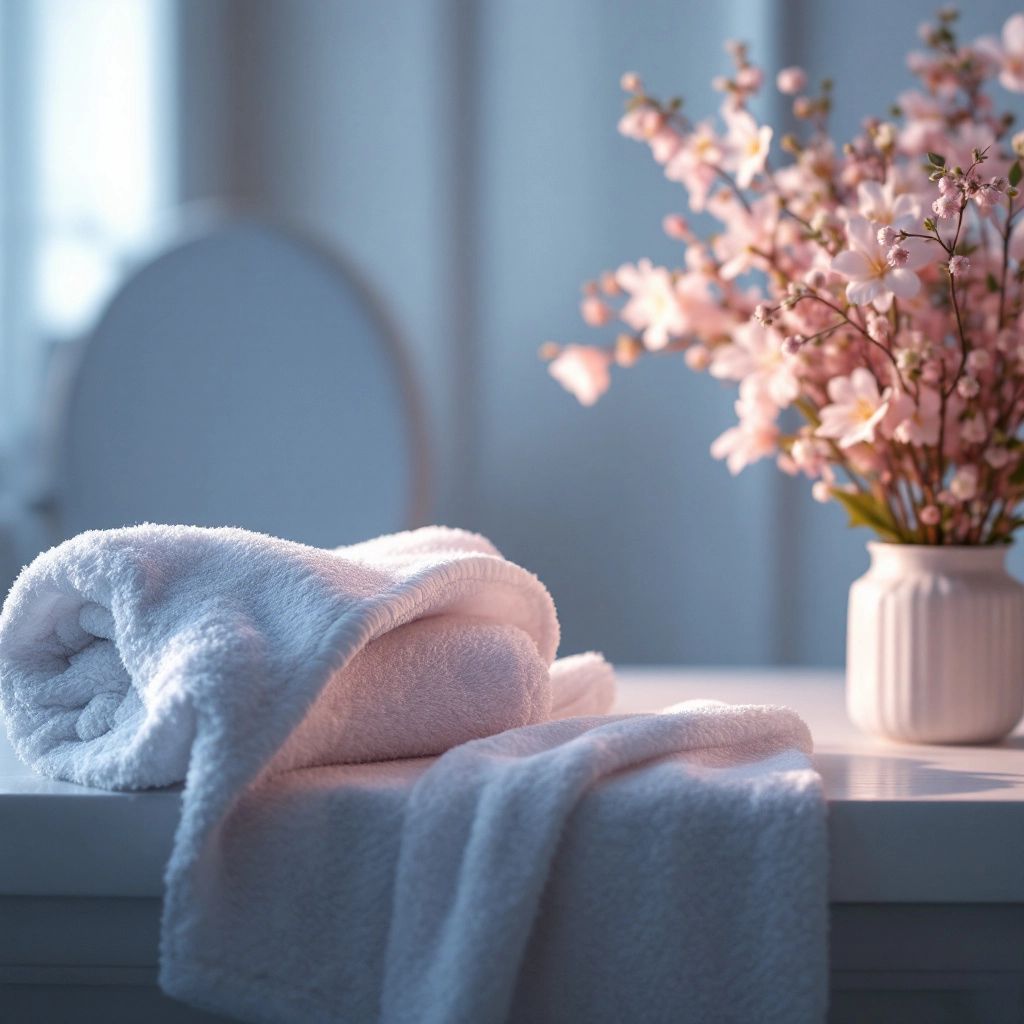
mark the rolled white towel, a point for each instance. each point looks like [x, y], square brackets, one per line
[130, 657]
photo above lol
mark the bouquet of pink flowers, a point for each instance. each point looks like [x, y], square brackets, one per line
[875, 288]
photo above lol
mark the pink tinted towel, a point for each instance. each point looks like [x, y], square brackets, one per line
[131, 657]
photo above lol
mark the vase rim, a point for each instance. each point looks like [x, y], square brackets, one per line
[895, 545]
[942, 558]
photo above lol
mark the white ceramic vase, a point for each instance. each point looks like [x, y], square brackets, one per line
[935, 645]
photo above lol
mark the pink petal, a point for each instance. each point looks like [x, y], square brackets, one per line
[862, 292]
[869, 194]
[906, 207]
[834, 422]
[852, 264]
[841, 391]
[861, 233]
[863, 383]
[730, 362]
[1013, 34]
[904, 284]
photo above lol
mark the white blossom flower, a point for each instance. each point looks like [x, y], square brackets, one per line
[755, 355]
[653, 306]
[871, 277]
[856, 409]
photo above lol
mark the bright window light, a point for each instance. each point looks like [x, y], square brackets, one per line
[99, 151]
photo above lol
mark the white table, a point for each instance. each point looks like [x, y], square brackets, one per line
[926, 845]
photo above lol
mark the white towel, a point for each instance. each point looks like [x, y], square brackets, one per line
[664, 869]
[693, 889]
[647, 868]
[130, 657]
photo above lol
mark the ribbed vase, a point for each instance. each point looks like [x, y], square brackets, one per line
[935, 645]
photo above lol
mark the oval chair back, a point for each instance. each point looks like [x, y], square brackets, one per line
[242, 378]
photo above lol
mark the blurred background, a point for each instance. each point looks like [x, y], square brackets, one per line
[461, 159]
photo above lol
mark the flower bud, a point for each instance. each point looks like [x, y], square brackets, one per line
[898, 256]
[631, 82]
[676, 227]
[802, 107]
[791, 80]
[958, 266]
[968, 387]
[595, 311]
[749, 78]
[697, 357]
[627, 349]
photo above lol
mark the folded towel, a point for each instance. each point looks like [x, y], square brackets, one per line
[130, 657]
[692, 891]
[657, 868]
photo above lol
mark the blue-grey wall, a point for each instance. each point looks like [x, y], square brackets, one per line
[465, 156]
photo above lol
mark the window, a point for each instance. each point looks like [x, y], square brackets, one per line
[86, 116]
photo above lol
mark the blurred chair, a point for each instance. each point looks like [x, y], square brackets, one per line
[241, 378]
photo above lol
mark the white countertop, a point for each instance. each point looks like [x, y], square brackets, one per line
[906, 823]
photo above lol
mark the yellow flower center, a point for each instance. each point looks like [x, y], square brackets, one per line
[863, 410]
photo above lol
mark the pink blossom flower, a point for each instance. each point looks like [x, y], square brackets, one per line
[871, 277]
[792, 80]
[749, 146]
[916, 422]
[694, 163]
[583, 371]
[883, 206]
[653, 306]
[856, 410]
[946, 438]
[946, 206]
[810, 455]
[755, 356]
[1009, 56]
[665, 143]
[924, 122]
[641, 123]
[968, 387]
[748, 231]
[964, 485]
[754, 437]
